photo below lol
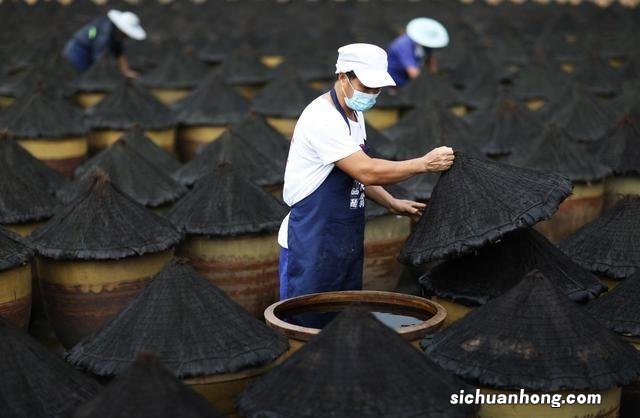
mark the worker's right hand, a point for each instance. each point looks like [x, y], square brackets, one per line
[438, 159]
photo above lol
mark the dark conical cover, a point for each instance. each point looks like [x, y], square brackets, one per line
[193, 327]
[261, 168]
[22, 84]
[381, 146]
[610, 245]
[477, 201]
[597, 76]
[27, 185]
[429, 87]
[285, 97]
[103, 76]
[41, 115]
[136, 138]
[581, 115]
[214, 102]
[13, 250]
[179, 70]
[554, 150]
[224, 203]
[35, 382]
[131, 173]
[538, 80]
[534, 338]
[103, 224]
[356, 367]
[257, 132]
[127, 105]
[620, 147]
[427, 127]
[147, 389]
[508, 128]
[476, 278]
[619, 309]
[243, 66]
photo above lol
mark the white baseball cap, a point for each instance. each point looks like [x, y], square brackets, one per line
[128, 23]
[427, 32]
[367, 61]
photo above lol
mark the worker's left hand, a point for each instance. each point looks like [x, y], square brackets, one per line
[407, 208]
[131, 74]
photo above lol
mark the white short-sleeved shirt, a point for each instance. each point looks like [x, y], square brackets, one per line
[321, 137]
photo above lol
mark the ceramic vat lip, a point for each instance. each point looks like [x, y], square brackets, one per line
[365, 296]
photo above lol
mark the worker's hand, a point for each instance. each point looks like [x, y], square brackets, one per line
[438, 159]
[407, 208]
[131, 74]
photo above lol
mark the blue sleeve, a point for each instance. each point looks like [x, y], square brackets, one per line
[406, 56]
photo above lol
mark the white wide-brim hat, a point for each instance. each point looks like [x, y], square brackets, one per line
[427, 32]
[128, 23]
[367, 61]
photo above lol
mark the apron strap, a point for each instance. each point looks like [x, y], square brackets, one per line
[339, 108]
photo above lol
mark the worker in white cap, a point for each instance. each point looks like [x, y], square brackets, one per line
[101, 35]
[329, 173]
[413, 50]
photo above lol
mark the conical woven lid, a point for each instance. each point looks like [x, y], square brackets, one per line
[147, 389]
[428, 87]
[539, 80]
[255, 130]
[103, 224]
[428, 127]
[581, 115]
[597, 76]
[41, 115]
[131, 173]
[243, 66]
[27, 186]
[355, 367]
[507, 128]
[476, 278]
[127, 105]
[477, 201]
[13, 250]
[284, 97]
[554, 150]
[193, 327]
[102, 76]
[380, 145]
[35, 382]
[534, 338]
[619, 309]
[135, 137]
[225, 203]
[23, 83]
[179, 70]
[231, 146]
[610, 245]
[214, 102]
[620, 147]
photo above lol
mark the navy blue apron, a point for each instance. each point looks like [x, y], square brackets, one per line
[326, 236]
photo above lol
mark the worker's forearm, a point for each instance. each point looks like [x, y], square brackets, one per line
[379, 195]
[381, 172]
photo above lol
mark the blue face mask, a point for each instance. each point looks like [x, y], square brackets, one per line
[360, 101]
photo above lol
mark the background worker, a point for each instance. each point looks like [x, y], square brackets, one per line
[101, 35]
[413, 50]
